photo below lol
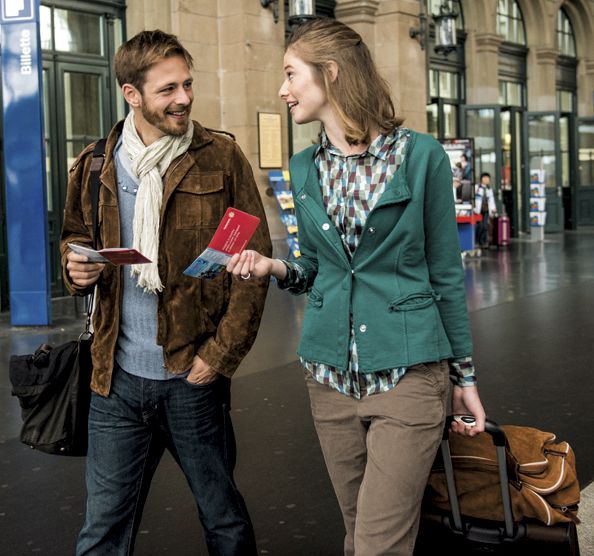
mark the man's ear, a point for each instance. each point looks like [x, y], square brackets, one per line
[131, 95]
[332, 69]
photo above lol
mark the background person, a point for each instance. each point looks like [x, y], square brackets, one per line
[165, 344]
[386, 319]
[484, 204]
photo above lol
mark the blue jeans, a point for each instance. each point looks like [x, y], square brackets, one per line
[128, 433]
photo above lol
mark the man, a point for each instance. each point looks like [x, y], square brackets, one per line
[165, 344]
[484, 204]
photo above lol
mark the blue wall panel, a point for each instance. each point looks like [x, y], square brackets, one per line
[24, 161]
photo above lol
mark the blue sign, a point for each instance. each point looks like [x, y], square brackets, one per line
[24, 165]
[18, 10]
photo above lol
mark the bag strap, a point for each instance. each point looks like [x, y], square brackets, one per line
[96, 167]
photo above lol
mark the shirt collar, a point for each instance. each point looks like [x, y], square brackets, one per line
[379, 147]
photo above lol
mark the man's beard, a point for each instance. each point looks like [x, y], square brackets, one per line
[162, 123]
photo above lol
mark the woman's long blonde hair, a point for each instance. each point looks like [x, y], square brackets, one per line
[359, 95]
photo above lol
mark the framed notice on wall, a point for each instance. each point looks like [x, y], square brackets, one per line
[269, 140]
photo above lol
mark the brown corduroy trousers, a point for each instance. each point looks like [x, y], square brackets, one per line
[379, 451]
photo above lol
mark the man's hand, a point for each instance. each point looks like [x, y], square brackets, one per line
[201, 372]
[82, 272]
[466, 401]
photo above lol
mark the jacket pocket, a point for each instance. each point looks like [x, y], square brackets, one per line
[199, 200]
[413, 301]
[315, 299]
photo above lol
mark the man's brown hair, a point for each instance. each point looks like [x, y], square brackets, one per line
[359, 95]
[136, 56]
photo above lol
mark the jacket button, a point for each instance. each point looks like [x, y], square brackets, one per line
[363, 328]
[325, 226]
[303, 196]
[372, 230]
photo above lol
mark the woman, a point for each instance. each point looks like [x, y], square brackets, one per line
[386, 316]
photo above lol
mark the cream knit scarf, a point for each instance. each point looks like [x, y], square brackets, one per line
[149, 164]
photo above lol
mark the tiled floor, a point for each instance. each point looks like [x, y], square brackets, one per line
[532, 314]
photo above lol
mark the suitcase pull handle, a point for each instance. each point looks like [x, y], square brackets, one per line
[500, 441]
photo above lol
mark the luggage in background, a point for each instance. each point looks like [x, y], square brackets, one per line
[501, 230]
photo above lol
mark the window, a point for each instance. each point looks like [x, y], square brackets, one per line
[565, 101]
[444, 84]
[445, 76]
[511, 93]
[586, 154]
[69, 31]
[432, 121]
[565, 36]
[510, 24]
[566, 67]
[445, 96]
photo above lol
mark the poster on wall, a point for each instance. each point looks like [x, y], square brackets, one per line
[269, 140]
[461, 155]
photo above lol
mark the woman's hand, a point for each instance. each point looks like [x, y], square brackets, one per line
[248, 264]
[466, 401]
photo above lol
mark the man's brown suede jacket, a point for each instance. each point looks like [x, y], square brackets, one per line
[216, 319]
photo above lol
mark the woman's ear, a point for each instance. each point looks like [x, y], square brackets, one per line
[332, 70]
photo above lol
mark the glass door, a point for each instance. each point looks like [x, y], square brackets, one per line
[52, 175]
[568, 160]
[483, 125]
[75, 110]
[3, 241]
[78, 40]
[544, 153]
[499, 150]
[512, 183]
[83, 91]
[585, 190]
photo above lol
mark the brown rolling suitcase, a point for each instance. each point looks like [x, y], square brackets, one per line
[447, 528]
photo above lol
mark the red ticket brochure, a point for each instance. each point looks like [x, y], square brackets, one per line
[231, 236]
[114, 255]
[234, 231]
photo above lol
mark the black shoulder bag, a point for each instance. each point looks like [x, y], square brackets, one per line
[53, 384]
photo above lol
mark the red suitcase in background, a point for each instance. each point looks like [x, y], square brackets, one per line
[501, 230]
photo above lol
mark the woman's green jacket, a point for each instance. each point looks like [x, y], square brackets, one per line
[404, 288]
